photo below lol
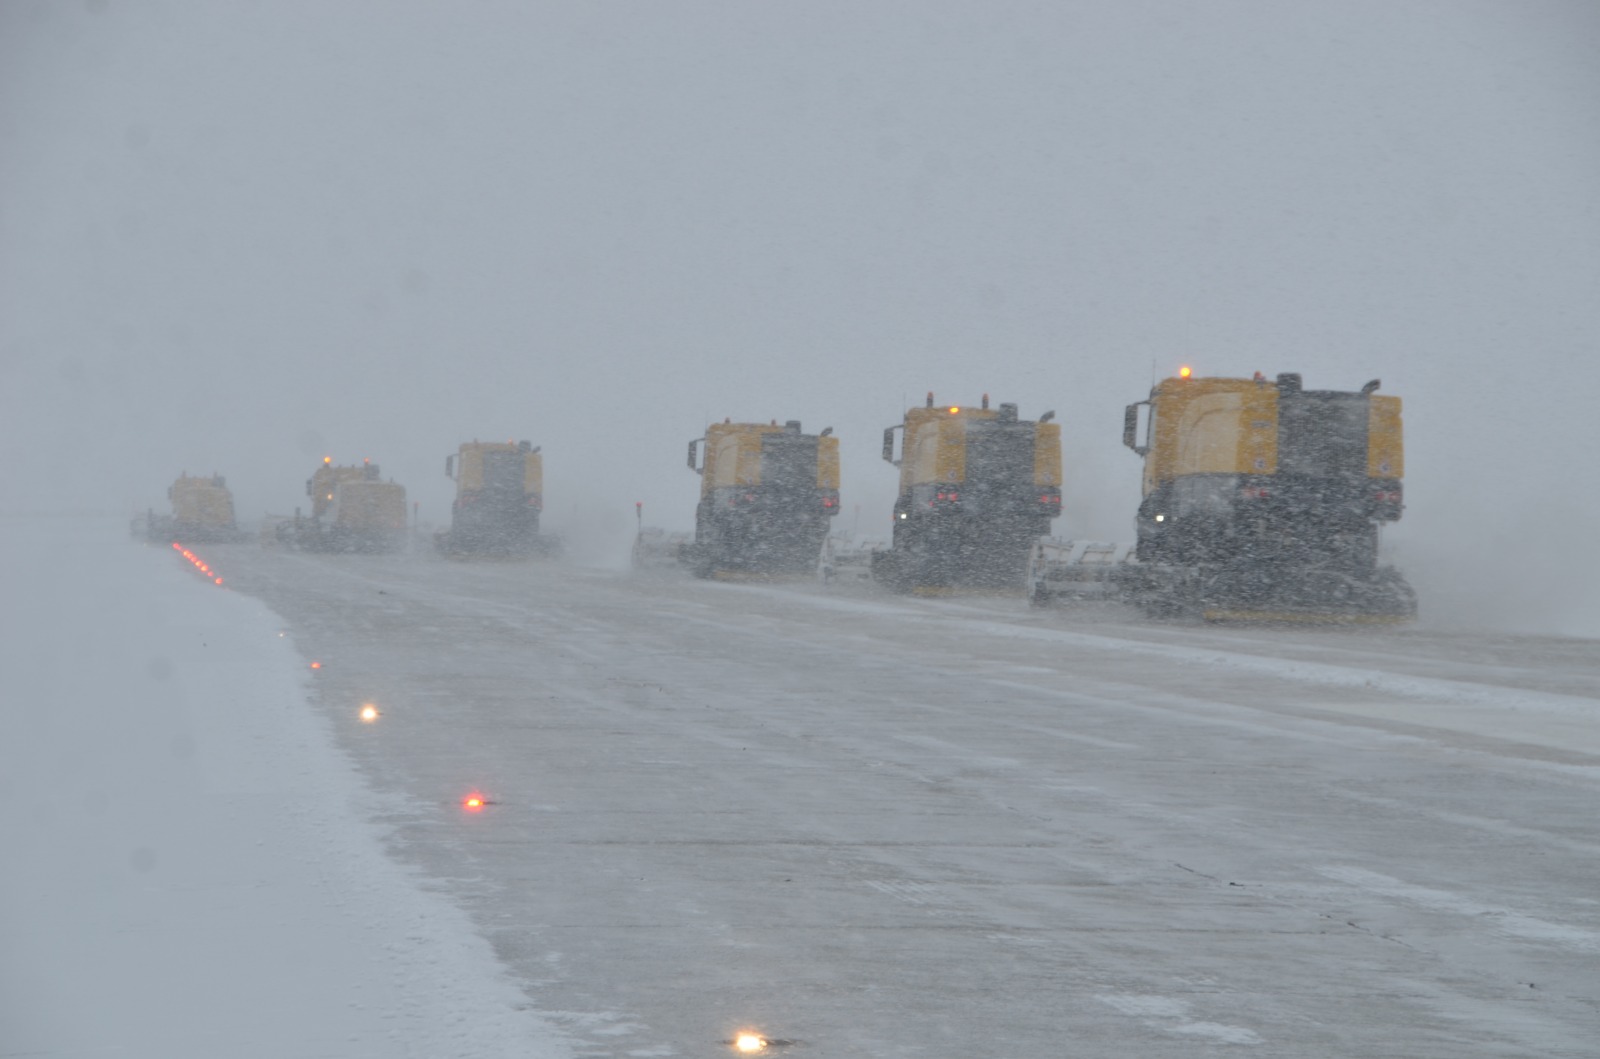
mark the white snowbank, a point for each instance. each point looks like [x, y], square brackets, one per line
[186, 866]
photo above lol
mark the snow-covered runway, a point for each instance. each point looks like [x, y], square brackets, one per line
[873, 826]
[881, 827]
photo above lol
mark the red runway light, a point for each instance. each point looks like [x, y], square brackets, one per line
[473, 803]
[316, 665]
[197, 562]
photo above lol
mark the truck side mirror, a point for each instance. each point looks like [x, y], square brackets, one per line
[694, 461]
[450, 466]
[1130, 428]
[888, 446]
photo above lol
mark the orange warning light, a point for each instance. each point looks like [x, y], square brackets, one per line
[473, 803]
[954, 409]
[1184, 372]
[749, 1043]
[327, 459]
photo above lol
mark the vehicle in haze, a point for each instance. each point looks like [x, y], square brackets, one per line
[1262, 501]
[767, 493]
[202, 510]
[499, 497]
[977, 487]
[352, 510]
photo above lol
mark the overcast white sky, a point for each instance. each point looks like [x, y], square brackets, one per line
[240, 236]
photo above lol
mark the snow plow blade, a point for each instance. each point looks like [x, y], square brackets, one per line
[784, 556]
[1308, 597]
[1268, 594]
[469, 548]
[1065, 570]
[656, 549]
[844, 561]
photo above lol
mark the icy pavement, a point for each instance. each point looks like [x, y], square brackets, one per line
[187, 867]
[884, 827]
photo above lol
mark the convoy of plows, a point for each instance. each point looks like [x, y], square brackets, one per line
[1262, 501]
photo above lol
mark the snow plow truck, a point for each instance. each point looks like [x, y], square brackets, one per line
[977, 487]
[202, 511]
[1262, 501]
[499, 495]
[767, 493]
[352, 510]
